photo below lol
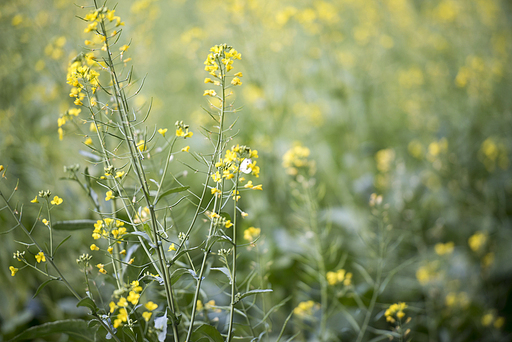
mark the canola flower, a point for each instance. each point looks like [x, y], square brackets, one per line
[340, 276]
[395, 310]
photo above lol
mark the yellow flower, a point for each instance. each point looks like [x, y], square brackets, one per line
[208, 80]
[119, 174]
[109, 196]
[101, 268]
[141, 145]
[112, 306]
[185, 149]
[40, 257]
[147, 315]
[172, 247]
[228, 224]
[238, 74]
[35, 200]
[251, 233]
[216, 192]
[123, 315]
[110, 249]
[444, 248]
[258, 187]
[57, 201]
[133, 297]
[477, 241]
[122, 302]
[131, 261]
[236, 81]
[45, 221]
[162, 131]
[210, 92]
[88, 141]
[199, 305]
[94, 247]
[304, 308]
[244, 214]
[150, 306]
[13, 270]
[123, 252]
[124, 48]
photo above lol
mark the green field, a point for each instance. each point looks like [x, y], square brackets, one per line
[383, 132]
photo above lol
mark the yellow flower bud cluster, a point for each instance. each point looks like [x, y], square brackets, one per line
[340, 276]
[108, 229]
[396, 310]
[220, 60]
[296, 158]
[305, 308]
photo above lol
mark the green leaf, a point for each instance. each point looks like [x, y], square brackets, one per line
[73, 327]
[223, 270]
[225, 215]
[88, 302]
[87, 177]
[171, 191]
[206, 333]
[253, 292]
[60, 244]
[42, 286]
[74, 225]
[176, 275]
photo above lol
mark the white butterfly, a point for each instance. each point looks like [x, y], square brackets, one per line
[244, 166]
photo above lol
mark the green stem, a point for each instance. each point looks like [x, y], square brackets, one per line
[233, 271]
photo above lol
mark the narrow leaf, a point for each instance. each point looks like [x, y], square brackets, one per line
[253, 292]
[89, 303]
[73, 327]
[73, 225]
[206, 333]
[42, 286]
[60, 244]
[171, 191]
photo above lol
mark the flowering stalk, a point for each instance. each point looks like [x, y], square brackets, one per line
[52, 263]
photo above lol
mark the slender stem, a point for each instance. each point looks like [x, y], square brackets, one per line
[233, 270]
[216, 207]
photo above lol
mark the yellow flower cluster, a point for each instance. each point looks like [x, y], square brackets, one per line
[304, 308]
[477, 241]
[251, 233]
[395, 310]
[444, 248]
[109, 228]
[220, 220]
[221, 60]
[238, 159]
[182, 130]
[297, 158]
[340, 276]
[133, 290]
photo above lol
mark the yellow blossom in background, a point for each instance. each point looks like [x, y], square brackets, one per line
[94, 247]
[147, 315]
[477, 241]
[40, 257]
[57, 201]
[444, 248]
[172, 247]
[304, 308]
[185, 149]
[395, 310]
[162, 131]
[251, 233]
[13, 270]
[45, 222]
[110, 249]
[35, 200]
[121, 317]
[199, 305]
[141, 145]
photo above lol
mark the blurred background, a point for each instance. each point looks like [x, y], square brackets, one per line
[405, 98]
